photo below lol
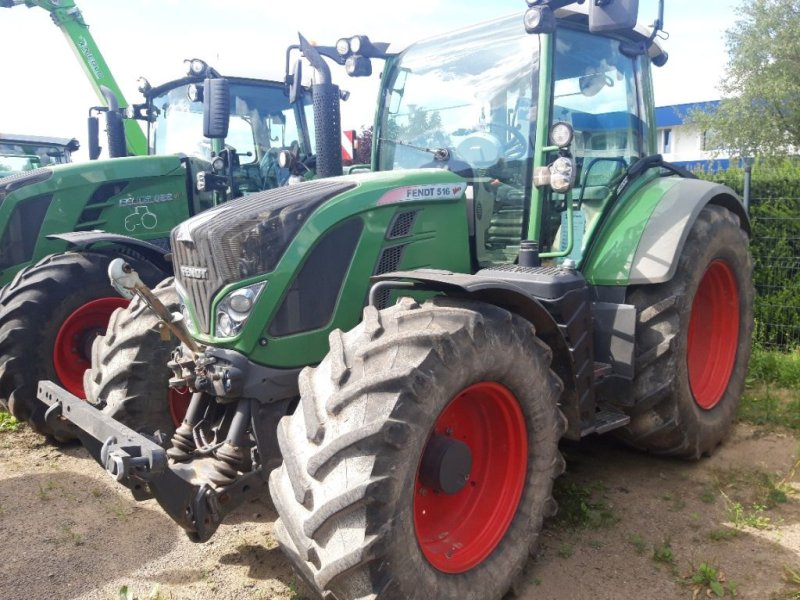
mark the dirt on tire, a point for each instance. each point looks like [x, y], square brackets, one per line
[71, 532]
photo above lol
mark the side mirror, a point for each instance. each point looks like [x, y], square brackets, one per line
[613, 15]
[216, 108]
[94, 138]
[296, 83]
[73, 145]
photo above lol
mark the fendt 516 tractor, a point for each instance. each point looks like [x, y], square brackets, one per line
[522, 267]
[53, 257]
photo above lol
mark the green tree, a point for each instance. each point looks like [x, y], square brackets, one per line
[760, 112]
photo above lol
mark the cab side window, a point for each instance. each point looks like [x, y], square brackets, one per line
[595, 91]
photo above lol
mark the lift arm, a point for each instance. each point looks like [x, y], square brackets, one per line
[69, 20]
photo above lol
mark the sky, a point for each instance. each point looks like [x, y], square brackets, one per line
[44, 90]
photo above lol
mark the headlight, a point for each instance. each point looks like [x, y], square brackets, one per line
[186, 313]
[197, 67]
[234, 309]
[562, 174]
[343, 47]
[561, 134]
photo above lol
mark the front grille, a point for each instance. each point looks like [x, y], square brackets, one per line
[227, 244]
[402, 224]
[389, 261]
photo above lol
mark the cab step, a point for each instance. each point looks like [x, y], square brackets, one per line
[606, 419]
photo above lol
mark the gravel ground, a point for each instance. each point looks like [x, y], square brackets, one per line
[71, 532]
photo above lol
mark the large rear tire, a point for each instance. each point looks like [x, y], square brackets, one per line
[129, 378]
[360, 494]
[49, 315]
[693, 337]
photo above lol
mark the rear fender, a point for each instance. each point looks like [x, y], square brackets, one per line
[644, 249]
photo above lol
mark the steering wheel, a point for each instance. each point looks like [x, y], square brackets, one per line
[517, 147]
[484, 148]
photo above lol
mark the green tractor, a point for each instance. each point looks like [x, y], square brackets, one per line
[408, 346]
[60, 225]
[20, 153]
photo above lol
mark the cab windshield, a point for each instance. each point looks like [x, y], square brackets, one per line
[471, 94]
[16, 157]
[262, 123]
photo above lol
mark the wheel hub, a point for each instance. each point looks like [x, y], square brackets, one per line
[445, 465]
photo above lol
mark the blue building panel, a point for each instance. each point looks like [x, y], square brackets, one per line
[675, 114]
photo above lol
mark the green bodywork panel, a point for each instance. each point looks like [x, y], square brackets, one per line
[439, 239]
[610, 256]
[143, 196]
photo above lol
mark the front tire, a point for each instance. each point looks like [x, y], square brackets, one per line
[49, 316]
[693, 338]
[129, 378]
[360, 513]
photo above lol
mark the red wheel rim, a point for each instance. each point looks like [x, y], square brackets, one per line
[457, 532]
[713, 334]
[178, 404]
[72, 353]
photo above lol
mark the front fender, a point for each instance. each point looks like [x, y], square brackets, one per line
[81, 240]
[641, 241]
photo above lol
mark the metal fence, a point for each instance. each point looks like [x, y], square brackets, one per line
[775, 247]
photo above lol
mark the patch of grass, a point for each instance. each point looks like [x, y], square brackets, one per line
[566, 550]
[126, 593]
[707, 579]
[781, 369]
[763, 488]
[579, 509]
[44, 491]
[68, 536]
[722, 534]
[742, 516]
[637, 541]
[663, 553]
[294, 593]
[771, 398]
[791, 575]
[8, 423]
[596, 544]
[708, 496]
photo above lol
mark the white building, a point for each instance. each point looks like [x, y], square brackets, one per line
[684, 144]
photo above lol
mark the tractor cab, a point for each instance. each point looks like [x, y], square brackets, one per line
[476, 103]
[262, 122]
[19, 153]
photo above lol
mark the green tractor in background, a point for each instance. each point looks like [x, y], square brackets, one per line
[60, 225]
[20, 153]
[528, 269]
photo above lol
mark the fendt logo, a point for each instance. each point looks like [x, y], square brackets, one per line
[195, 272]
